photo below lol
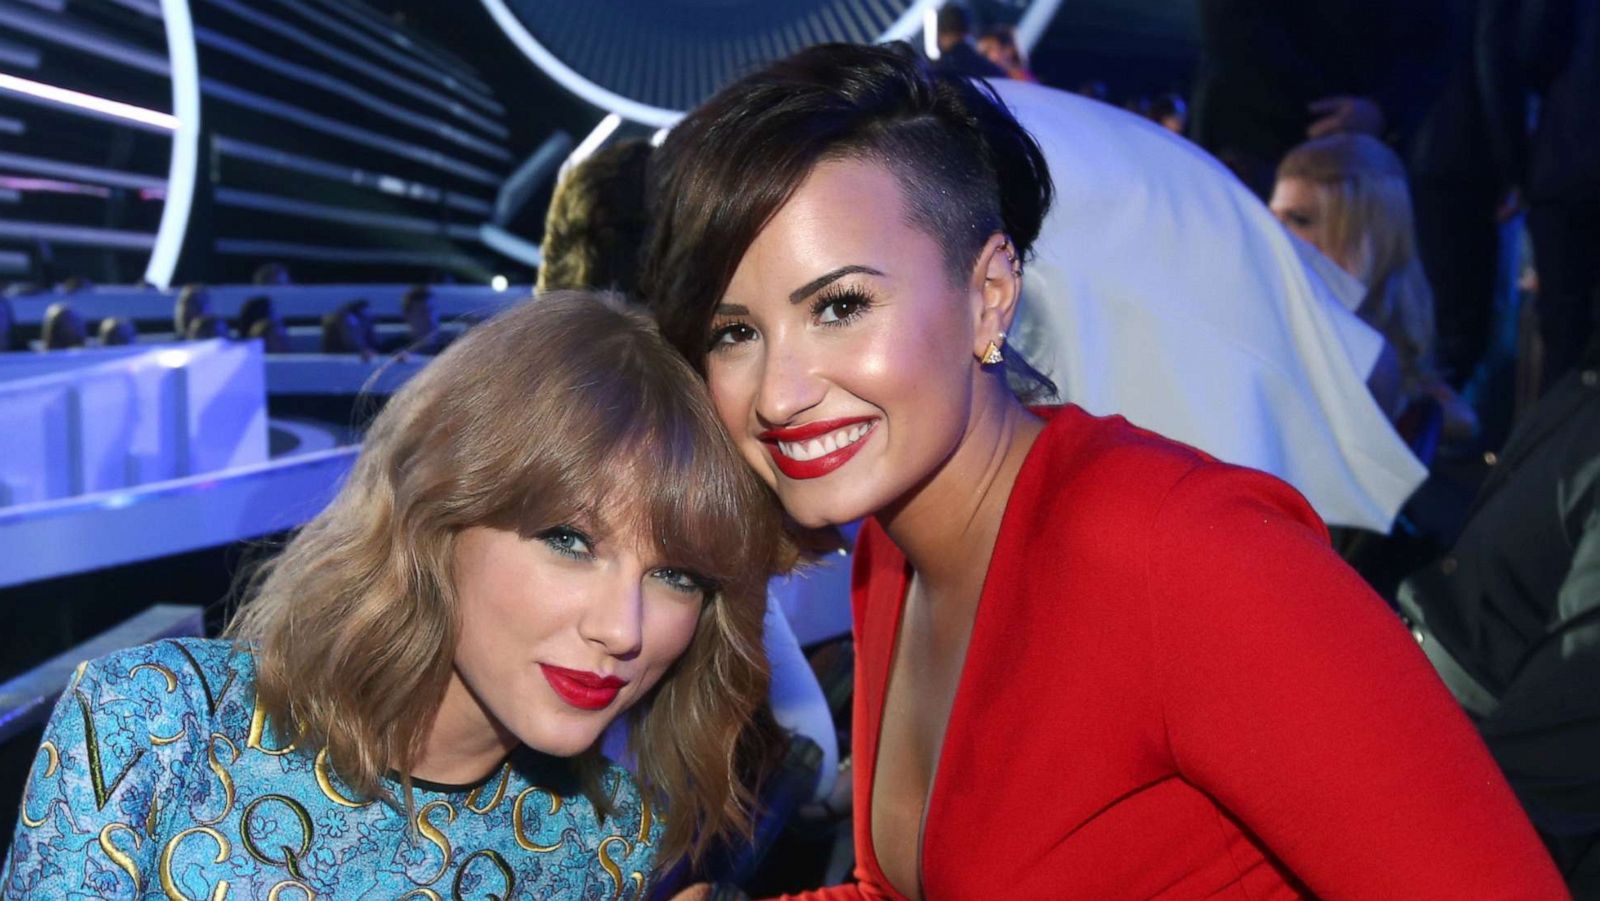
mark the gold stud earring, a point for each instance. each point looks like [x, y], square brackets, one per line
[992, 354]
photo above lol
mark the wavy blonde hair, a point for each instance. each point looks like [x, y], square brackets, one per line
[1369, 225]
[542, 416]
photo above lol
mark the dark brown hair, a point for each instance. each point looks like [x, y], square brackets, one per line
[965, 165]
[551, 413]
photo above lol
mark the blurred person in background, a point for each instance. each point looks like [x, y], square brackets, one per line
[1347, 195]
[116, 330]
[999, 46]
[254, 308]
[270, 274]
[274, 339]
[62, 328]
[421, 313]
[345, 330]
[193, 302]
[957, 54]
[596, 223]
[1169, 111]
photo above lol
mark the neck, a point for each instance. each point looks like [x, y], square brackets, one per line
[947, 526]
[465, 742]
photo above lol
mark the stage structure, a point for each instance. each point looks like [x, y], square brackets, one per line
[180, 139]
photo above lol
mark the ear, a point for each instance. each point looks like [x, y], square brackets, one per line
[995, 287]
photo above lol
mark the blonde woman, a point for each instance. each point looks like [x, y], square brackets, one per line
[1347, 195]
[546, 529]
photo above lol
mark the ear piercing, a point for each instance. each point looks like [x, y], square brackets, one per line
[1011, 257]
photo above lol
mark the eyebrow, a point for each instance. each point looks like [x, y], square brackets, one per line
[804, 291]
[822, 281]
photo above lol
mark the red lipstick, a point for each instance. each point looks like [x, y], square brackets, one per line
[818, 466]
[581, 689]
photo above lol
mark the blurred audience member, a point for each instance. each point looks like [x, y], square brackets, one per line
[74, 284]
[253, 310]
[1094, 89]
[957, 55]
[421, 313]
[1561, 53]
[274, 340]
[999, 46]
[62, 328]
[597, 222]
[116, 330]
[203, 328]
[193, 302]
[1346, 195]
[1169, 111]
[347, 330]
[270, 274]
[1511, 618]
[1465, 161]
[1273, 74]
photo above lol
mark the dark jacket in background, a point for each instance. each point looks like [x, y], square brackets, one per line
[1516, 605]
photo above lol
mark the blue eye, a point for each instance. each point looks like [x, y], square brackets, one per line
[684, 581]
[567, 541]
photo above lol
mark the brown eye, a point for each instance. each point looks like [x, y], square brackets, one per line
[732, 333]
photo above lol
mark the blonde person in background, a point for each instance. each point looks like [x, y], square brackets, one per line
[547, 529]
[1347, 195]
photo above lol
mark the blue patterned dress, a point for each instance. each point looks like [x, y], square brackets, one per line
[158, 778]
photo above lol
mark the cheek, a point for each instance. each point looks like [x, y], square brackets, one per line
[671, 629]
[732, 395]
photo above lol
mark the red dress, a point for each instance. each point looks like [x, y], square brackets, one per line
[1175, 689]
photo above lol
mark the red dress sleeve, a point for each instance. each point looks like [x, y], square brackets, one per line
[1295, 698]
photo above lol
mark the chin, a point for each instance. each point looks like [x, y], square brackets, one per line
[821, 512]
[569, 742]
[561, 746]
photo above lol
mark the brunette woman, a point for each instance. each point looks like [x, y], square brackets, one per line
[546, 529]
[1091, 662]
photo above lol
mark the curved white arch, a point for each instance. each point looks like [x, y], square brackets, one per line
[903, 28]
[567, 77]
[183, 167]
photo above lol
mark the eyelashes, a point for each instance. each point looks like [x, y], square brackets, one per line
[833, 306]
[840, 305]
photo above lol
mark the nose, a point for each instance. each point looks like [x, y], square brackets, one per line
[789, 382]
[614, 618]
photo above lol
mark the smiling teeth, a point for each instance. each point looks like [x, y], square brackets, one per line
[824, 445]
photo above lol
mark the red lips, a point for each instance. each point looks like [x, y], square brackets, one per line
[820, 466]
[582, 689]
